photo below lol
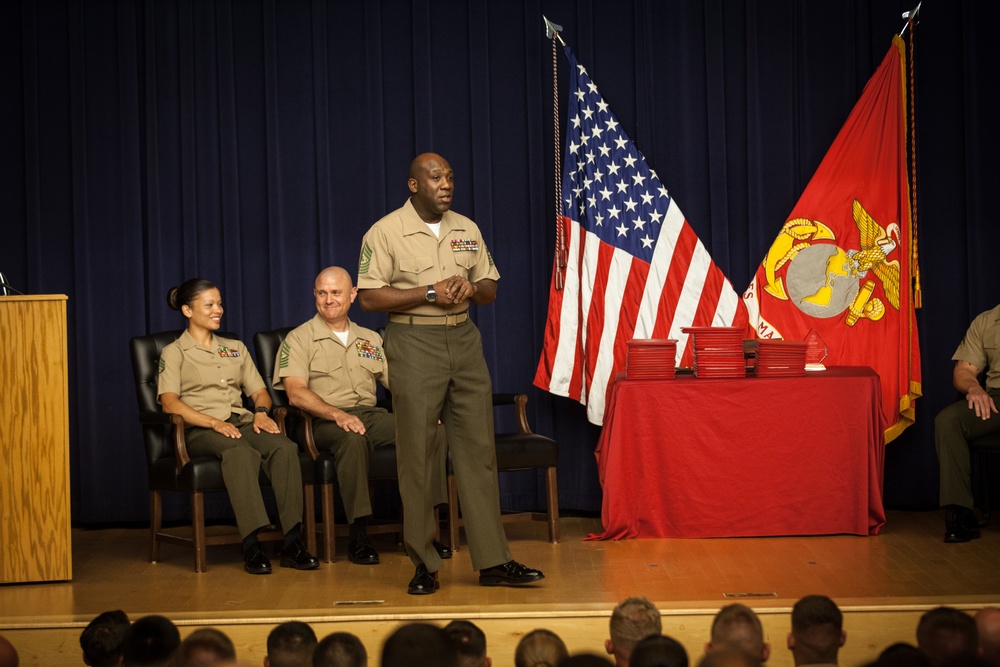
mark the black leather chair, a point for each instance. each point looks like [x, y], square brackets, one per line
[170, 468]
[521, 450]
[983, 450]
[381, 462]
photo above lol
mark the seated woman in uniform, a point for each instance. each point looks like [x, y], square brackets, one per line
[203, 378]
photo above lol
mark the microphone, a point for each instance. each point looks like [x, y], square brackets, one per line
[6, 288]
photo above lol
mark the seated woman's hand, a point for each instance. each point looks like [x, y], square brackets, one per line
[225, 428]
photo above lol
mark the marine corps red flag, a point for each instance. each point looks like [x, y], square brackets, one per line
[841, 264]
[634, 266]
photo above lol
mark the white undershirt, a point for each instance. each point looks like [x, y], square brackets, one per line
[434, 227]
[342, 335]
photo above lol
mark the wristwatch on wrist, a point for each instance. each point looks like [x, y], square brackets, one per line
[260, 408]
[431, 295]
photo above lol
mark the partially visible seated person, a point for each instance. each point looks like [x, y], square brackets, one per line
[207, 647]
[290, 644]
[948, 636]
[540, 648]
[101, 641]
[203, 378]
[737, 626]
[966, 420]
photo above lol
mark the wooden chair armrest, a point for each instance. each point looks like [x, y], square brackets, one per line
[180, 441]
[279, 415]
[149, 418]
[307, 432]
[520, 402]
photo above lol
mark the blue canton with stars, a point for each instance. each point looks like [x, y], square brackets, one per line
[607, 186]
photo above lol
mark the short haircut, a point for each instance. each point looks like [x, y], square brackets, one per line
[729, 656]
[947, 635]
[152, 641]
[658, 651]
[340, 649]
[737, 625]
[418, 644]
[291, 644]
[817, 625]
[540, 648]
[469, 640]
[633, 619]
[585, 660]
[902, 654]
[102, 639]
[207, 646]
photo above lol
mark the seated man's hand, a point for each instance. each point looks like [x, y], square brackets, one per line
[350, 422]
[981, 402]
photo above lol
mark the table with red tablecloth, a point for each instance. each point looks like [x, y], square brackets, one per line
[696, 457]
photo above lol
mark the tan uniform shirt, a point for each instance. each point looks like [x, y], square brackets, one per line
[981, 346]
[401, 251]
[213, 380]
[343, 376]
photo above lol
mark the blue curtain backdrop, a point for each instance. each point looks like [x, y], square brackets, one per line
[253, 142]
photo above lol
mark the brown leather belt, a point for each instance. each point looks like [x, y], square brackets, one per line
[429, 320]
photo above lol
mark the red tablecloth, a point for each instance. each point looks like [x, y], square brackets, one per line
[693, 457]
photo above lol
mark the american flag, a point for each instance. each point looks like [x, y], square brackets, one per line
[634, 269]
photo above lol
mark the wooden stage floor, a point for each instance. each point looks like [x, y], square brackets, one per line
[882, 583]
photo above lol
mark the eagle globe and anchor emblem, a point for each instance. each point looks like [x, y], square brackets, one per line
[823, 280]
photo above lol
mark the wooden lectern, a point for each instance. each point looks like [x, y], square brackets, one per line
[35, 540]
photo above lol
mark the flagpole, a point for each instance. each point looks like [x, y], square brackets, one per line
[552, 33]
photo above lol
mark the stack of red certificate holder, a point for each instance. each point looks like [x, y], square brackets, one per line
[718, 352]
[780, 358]
[650, 359]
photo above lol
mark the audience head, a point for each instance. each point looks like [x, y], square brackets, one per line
[102, 639]
[585, 660]
[988, 628]
[8, 654]
[658, 651]
[729, 656]
[207, 647]
[902, 654]
[540, 648]
[737, 626]
[418, 644]
[152, 641]
[817, 630]
[948, 636]
[340, 649]
[290, 644]
[633, 619]
[470, 642]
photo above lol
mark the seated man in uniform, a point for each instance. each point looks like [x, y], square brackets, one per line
[328, 367]
[968, 419]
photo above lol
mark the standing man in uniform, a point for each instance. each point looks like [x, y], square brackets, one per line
[328, 367]
[423, 264]
[972, 417]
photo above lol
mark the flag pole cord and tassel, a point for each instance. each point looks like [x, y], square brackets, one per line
[911, 23]
[552, 32]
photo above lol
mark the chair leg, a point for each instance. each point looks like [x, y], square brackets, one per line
[198, 527]
[309, 516]
[155, 523]
[452, 513]
[329, 528]
[552, 503]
